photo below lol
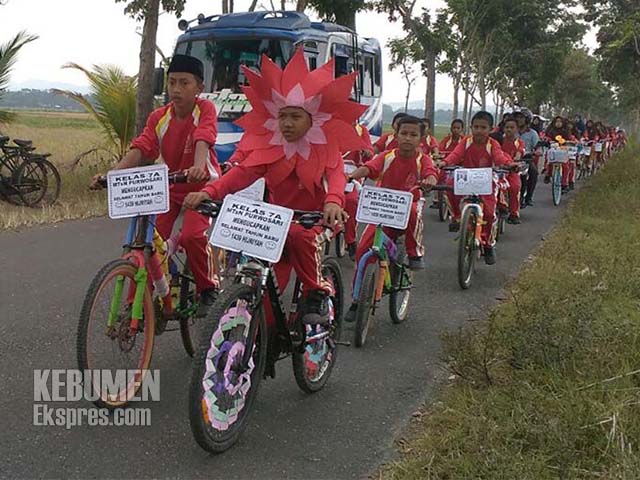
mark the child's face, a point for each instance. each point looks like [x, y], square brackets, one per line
[510, 128]
[480, 129]
[558, 123]
[294, 123]
[409, 137]
[456, 129]
[183, 89]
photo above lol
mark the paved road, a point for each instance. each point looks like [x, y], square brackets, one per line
[342, 432]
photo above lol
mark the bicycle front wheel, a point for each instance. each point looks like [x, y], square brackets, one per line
[556, 185]
[223, 389]
[108, 339]
[467, 247]
[366, 302]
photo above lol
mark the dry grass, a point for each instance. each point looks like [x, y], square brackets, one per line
[65, 136]
[549, 387]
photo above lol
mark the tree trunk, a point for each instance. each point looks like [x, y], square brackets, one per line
[348, 20]
[283, 5]
[465, 112]
[456, 100]
[252, 7]
[231, 6]
[496, 101]
[225, 6]
[430, 95]
[406, 99]
[144, 96]
[300, 5]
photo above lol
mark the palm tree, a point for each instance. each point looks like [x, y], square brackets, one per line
[8, 55]
[113, 104]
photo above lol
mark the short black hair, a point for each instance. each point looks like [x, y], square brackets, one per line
[427, 121]
[398, 116]
[411, 120]
[458, 120]
[483, 115]
[509, 118]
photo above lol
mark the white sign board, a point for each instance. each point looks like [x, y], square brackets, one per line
[255, 191]
[473, 181]
[138, 191]
[557, 156]
[586, 151]
[599, 146]
[383, 206]
[256, 229]
[573, 153]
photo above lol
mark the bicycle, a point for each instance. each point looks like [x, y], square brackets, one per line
[388, 274]
[237, 349]
[557, 156]
[470, 246]
[584, 160]
[26, 177]
[125, 308]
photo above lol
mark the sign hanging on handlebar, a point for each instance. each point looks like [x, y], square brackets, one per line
[473, 181]
[138, 191]
[256, 229]
[384, 206]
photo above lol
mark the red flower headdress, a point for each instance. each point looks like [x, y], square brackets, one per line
[327, 101]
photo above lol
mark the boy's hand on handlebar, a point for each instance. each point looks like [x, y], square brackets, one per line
[333, 214]
[193, 199]
[428, 183]
[196, 175]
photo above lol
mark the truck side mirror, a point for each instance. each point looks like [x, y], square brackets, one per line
[158, 81]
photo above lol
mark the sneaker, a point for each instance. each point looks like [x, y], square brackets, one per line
[513, 220]
[416, 263]
[572, 186]
[351, 251]
[523, 205]
[547, 179]
[454, 227]
[529, 203]
[315, 309]
[207, 299]
[565, 190]
[350, 316]
[490, 255]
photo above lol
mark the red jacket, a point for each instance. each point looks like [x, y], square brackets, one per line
[289, 193]
[429, 144]
[448, 144]
[173, 140]
[400, 173]
[386, 142]
[470, 155]
[512, 148]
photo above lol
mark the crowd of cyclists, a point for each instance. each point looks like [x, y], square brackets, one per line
[304, 139]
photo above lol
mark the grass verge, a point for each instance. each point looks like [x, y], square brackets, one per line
[549, 386]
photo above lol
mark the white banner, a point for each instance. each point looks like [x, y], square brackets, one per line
[473, 181]
[599, 147]
[383, 206]
[256, 229]
[138, 191]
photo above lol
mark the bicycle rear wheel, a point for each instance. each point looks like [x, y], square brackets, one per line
[106, 339]
[442, 207]
[30, 180]
[312, 365]
[222, 393]
[187, 305]
[401, 282]
[52, 192]
[467, 247]
[366, 303]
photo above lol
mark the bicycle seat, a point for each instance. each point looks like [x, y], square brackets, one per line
[3, 139]
[23, 143]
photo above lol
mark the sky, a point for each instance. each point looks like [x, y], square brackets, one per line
[91, 32]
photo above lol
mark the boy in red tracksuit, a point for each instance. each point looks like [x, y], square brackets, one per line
[478, 150]
[357, 158]
[298, 125]
[182, 134]
[428, 143]
[404, 169]
[452, 140]
[388, 141]
[514, 148]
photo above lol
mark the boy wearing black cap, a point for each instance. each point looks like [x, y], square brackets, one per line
[182, 134]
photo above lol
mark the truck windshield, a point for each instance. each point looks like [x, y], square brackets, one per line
[222, 58]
